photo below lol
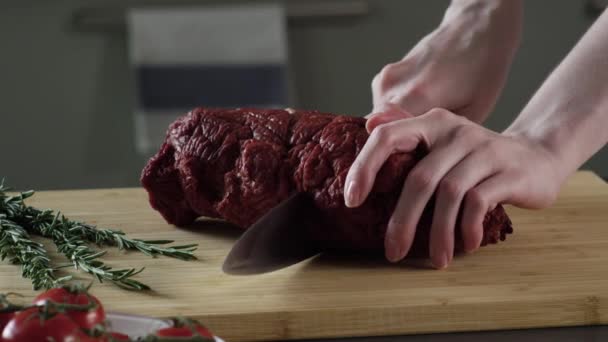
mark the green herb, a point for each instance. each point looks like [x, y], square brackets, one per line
[109, 237]
[16, 245]
[72, 238]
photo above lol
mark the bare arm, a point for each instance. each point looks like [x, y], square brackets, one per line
[569, 113]
[470, 169]
[461, 66]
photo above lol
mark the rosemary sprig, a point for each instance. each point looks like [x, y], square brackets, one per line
[72, 239]
[16, 244]
[85, 258]
[110, 237]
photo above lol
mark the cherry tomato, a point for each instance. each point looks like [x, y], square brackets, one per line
[183, 332]
[28, 326]
[115, 337]
[7, 311]
[84, 319]
[105, 336]
[5, 318]
[120, 337]
[185, 329]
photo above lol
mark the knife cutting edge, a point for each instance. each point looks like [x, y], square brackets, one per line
[277, 240]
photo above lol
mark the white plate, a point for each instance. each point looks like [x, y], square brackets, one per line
[137, 326]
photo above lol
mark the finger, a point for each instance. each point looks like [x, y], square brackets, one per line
[418, 188]
[413, 97]
[414, 102]
[402, 136]
[383, 117]
[470, 171]
[379, 146]
[497, 188]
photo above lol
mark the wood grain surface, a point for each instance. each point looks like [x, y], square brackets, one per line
[553, 271]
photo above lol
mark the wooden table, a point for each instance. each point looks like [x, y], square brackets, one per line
[553, 271]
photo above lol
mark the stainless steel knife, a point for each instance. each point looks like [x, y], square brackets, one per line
[279, 239]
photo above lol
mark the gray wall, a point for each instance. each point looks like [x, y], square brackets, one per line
[66, 96]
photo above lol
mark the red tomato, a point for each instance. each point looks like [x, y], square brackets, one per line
[184, 332]
[10, 311]
[28, 326]
[5, 318]
[104, 336]
[115, 337]
[120, 337]
[84, 319]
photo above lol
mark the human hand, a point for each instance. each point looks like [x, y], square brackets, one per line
[470, 169]
[461, 66]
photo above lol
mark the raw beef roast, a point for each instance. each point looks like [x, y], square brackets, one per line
[238, 164]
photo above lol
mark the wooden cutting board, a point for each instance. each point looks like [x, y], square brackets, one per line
[553, 271]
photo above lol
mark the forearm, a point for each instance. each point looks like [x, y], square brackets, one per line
[461, 66]
[473, 18]
[569, 113]
[491, 9]
[493, 28]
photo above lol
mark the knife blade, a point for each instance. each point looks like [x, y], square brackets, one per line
[277, 240]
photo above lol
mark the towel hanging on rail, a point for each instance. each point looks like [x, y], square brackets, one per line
[204, 56]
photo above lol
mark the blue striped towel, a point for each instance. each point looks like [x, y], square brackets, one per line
[204, 56]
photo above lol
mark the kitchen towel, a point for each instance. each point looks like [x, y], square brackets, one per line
[233, 56]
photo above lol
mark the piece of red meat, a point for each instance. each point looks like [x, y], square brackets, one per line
[237, 164]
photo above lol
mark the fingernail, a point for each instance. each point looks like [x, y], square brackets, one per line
[469, 247]
[393, 250]
[352, 196]
[443, 263]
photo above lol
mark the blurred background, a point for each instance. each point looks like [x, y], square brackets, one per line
[73, 93]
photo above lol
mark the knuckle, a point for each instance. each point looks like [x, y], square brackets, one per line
[492, 146]
[390, 68]
[415, 92]
[465, 132]
[440, 114]
[475, 198]
[398, 220]
[386, 77]
[471, 129]
[451, 188]
[382, 135]
[493, 152]
[421, 178]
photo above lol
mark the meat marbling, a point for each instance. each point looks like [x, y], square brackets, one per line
[237, 164]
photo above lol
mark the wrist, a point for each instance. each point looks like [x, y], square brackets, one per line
[552, 141]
